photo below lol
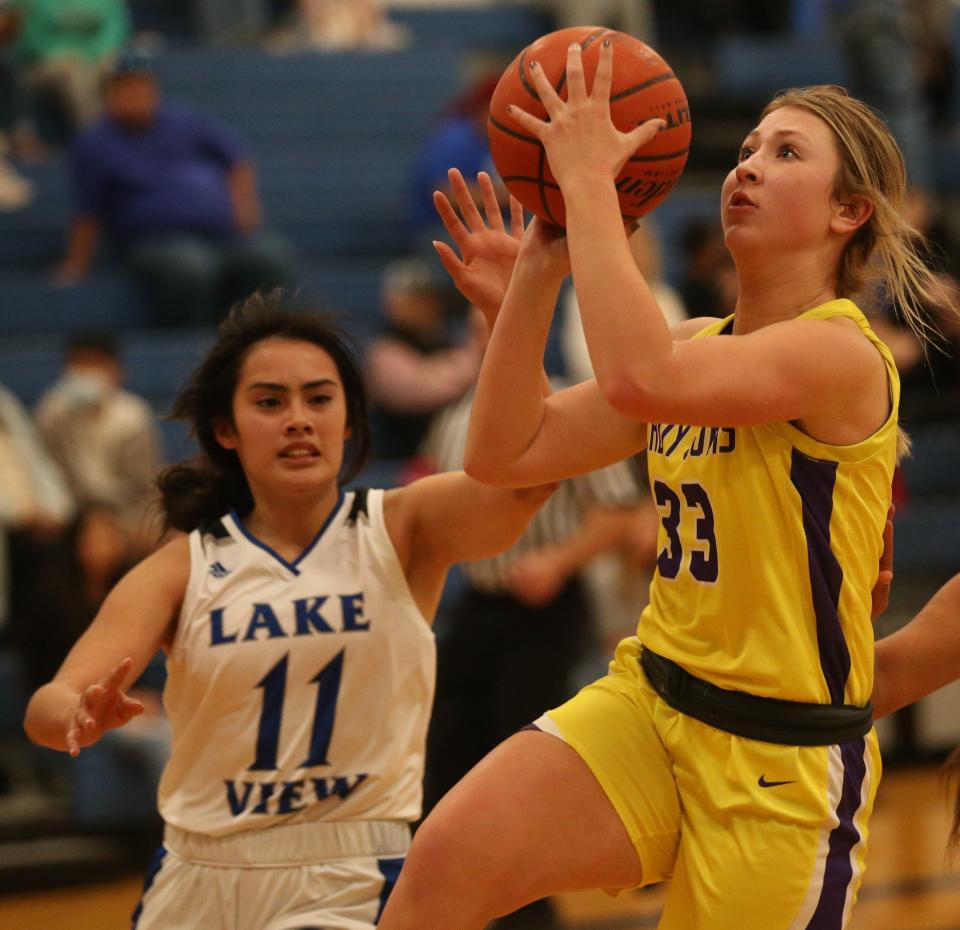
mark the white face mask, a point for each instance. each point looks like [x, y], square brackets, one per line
[84, 388]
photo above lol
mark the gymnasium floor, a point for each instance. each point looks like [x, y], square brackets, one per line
[909, 884]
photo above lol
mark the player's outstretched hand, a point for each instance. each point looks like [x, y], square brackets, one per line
[880, 596]
[102, 706]
[488, 251]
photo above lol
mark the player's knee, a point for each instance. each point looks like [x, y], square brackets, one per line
[434, 852]
[447, 855]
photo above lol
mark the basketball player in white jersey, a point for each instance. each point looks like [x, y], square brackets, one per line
[296, 621]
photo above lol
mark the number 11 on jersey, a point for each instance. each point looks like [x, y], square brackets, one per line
[274, 685]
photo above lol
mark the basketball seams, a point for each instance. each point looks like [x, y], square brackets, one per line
[650, 89]
[522, 75]
[542, 186]
[650, 82]
[663, 156]
[533, 140]
[584, 45]
[552, 185]
[594, 36]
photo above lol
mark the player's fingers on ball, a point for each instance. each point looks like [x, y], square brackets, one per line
[576, 84]
[516, 217]
[603, 79]
[525, 120]
[548, 96]
[491, 208]
[639, 138]
[646, 132]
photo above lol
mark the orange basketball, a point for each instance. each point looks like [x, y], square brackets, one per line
[644, 87]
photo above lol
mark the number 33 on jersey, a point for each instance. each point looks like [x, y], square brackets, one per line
[760, 551]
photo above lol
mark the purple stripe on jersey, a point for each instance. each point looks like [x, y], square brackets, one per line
[839, 868]
[814, 480]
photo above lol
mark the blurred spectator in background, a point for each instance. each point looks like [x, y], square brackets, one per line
[458, 139]
[901, 62]
[35, 507]
[177, 194]
[885, 58]
[695, 24]
[635, 17]
[65, 47]
[103, 438]
[232, 22]
[90, 557]
[646, 249]
[413, 367]
[15, 190]
[333, 25]
[511, 642]
[708, 285]
[929, 375]
[80, 568]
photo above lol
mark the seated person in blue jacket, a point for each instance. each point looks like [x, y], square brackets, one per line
[176, 194]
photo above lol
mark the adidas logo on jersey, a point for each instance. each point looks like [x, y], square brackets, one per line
[217, 570]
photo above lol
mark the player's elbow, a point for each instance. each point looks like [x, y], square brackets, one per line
[33, 723]
[480, 466]
[532, 499]
[631, 396]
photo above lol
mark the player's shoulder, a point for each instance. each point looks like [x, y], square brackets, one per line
[172, 556]
[165, 571]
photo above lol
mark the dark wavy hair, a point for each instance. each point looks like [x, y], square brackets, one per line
[213, 482]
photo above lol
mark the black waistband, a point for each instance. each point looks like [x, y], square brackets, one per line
[770, 720]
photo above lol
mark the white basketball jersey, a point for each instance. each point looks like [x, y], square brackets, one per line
[297, 690]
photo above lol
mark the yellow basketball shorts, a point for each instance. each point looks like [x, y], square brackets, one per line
[754, 835]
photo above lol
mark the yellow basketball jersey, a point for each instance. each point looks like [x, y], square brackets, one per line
[768, 546]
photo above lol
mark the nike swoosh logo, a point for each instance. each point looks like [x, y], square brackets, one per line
[763, 783]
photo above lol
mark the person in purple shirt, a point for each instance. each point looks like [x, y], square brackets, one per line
[176, 194]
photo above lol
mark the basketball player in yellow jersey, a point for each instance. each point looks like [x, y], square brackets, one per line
[730, 747]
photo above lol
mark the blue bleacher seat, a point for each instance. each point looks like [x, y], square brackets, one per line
[932, 467]
[497, 26]
[927, 537]
[757, 67]
[156, 363]
[684, 204]
[35, 305]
